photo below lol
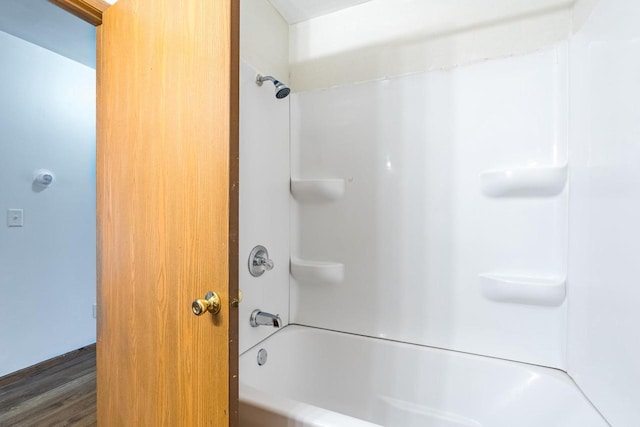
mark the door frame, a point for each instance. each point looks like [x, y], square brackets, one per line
[88, 10]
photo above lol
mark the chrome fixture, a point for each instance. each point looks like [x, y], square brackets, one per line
[282, 91]
[259, 261]
[262, 357]
[259, 318]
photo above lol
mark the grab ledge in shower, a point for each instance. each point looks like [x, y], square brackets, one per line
[532, 290]
[528, 181]
[321, 272]
[317, 190]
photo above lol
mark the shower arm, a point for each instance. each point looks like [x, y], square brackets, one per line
[261, 79]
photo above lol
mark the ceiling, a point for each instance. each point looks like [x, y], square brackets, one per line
[294, 11]
[44, 24]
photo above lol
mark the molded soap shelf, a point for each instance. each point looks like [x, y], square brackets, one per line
[546, 291]
[317, 271]
[317, 190]
[531, 181]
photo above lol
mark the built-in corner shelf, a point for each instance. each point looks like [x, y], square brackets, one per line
[317, 271]
[545, 291]
[530, 181]
[317, 190]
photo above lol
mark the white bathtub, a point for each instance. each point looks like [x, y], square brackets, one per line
[315, 378]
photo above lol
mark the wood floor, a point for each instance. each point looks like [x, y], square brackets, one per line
[60, 392]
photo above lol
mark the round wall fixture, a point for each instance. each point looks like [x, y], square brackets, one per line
[43, 178]
[259, 261]
[262, 356]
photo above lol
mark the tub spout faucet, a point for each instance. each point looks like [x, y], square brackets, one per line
[259, 318]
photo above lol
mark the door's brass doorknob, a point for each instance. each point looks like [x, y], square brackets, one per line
[210, 303]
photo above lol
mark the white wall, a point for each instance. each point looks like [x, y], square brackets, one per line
[47, 267]
[415, 227]
[47, 25]
[264, 202]
[603, 340]
[264, 38]
[264, 166]
[383, 38]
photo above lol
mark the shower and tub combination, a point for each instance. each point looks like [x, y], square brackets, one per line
[424, 250]
[328, 374]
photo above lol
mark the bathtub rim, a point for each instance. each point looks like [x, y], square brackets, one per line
[553, 373]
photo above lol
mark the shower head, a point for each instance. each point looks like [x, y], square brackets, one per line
[282, 91]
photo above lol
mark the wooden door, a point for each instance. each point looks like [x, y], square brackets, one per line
[167, 199]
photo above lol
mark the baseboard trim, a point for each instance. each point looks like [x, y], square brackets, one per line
[38, 367]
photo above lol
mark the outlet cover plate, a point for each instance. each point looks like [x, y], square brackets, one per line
[15, 218]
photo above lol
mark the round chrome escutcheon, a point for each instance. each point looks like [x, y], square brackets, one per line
[262, 356]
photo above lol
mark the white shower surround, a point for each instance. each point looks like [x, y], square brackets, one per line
[415, 232]
[604, 243]
[504, 109]
[264, 201]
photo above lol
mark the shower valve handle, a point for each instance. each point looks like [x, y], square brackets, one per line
[264, 262]
[259, 261]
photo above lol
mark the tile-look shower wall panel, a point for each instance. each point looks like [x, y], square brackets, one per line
[264, 202]
[413, 228]
[603, 345]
